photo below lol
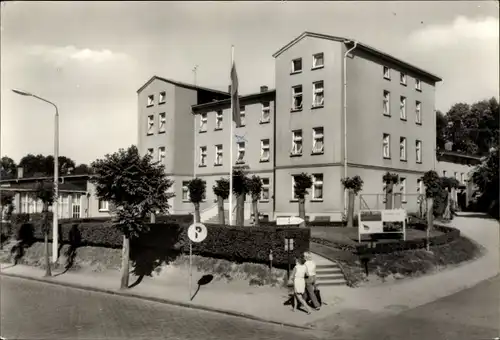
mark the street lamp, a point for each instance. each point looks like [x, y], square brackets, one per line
[55, 221]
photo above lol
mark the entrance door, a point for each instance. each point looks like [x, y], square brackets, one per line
[76, 205]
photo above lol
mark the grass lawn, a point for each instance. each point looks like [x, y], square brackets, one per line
[349, 236]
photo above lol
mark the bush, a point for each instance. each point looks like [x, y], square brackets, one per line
[182, 219]
[238, 244]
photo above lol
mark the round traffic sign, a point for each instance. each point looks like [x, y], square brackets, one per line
[197, 232]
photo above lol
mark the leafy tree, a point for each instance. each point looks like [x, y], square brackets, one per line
[197, 191]
[240, 189]
[303, 182]
[82, 169]
[441, 130]
[8, 168]
[255, 188]
[45, 193]
[7, 203]
[390, 179]
[486, 177]
[136, 187]
[40, 165]
[353, 185]
[221, 190]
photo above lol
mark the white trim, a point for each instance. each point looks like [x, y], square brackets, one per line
[297, 95]
[318, 137]
[203, 156]
[386, 103]
[266, 110]
[162, 122]
[293, 70]
[402, 147]
[318, 91]
[151, 124]
[317, 183]
[386, 145]
[315, 59]
[219, 119]
[265, 146]
[219, 151]
[203, 122]
[297, 142]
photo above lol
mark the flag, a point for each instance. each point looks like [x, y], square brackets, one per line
[235, 102]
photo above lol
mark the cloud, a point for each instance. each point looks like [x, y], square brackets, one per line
[61, 55]
[462, 28]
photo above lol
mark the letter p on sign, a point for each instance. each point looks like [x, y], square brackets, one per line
[197, 232]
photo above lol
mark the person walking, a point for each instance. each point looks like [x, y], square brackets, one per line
[299, 283]
[311, 280]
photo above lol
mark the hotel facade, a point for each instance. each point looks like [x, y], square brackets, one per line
[300, 127]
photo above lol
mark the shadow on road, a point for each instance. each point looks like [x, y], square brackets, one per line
[205, 279]
[75, 241]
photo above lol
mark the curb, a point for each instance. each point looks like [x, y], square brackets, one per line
[159, 300]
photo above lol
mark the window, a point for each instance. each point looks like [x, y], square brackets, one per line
[151, 124]
[317, 193]
[75, 206]
[297, 65]
[203, 156]
[203, 122]
[402, 108]
[218, 154]
[264, 150]
[420, 186]
[151, 152]
[295, 197]
[151, 100]
[162, 118]
[387, 103]
[242, 116]
[387, 72]
[264, 195]
[297, 97]
[241, 152]
[318, 60]
[402, 78]
[266, 113]
[162, 97]
[103, 205]
[297, 142]
[161, 154]
[318, 94]
[418, 150]
[402, 188]
[462, 178]
[402, 148]
[418, 112]
[386, 145]
[218, 120]
[418, 85]
[444, 173]
[185, 191]
[318, 140]
[456, 175]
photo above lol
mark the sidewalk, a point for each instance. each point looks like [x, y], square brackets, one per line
[234, 298]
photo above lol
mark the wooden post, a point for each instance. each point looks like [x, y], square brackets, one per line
[430, 219]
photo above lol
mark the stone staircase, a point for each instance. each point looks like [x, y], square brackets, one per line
[328, 273]
[215, 219]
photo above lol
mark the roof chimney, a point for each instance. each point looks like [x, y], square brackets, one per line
[20, 171]
[263, 88]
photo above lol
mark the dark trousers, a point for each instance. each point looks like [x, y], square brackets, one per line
[310, 289]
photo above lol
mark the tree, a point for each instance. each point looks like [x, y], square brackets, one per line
[353, 185]
[40, 165]
[441, 126]
[197, 191]
[8, 168]
[136, 187]
[221, 190]
[240, 189]
[45, 193]
[486, 177]
[7, 203]
[82, 169]
[255, 188]
[390, 179]
[303, 182]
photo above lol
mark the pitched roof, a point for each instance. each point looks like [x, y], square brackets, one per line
[181, 84]
[225, 102]
[361, 46]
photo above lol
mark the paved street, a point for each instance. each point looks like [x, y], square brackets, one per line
[31, 310]
[473, 314]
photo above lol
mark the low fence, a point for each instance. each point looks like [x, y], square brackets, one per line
[413, 203]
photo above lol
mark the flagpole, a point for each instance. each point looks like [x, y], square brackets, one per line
[231, 148]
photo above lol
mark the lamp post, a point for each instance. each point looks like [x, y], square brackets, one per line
[55, 211]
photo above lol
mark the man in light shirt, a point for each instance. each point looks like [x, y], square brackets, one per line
[311, 279]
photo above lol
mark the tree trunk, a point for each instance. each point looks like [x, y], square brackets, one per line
[197, 212]
[125, 262]
[255, 208]
[222, 218]
[302, 211]
[350, 209]
[240, 210]
[430, 218]
[46, 253]
[388, 196]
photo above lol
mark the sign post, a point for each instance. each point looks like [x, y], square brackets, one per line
[197, 232]
[288, 248]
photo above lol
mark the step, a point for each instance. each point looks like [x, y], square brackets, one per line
[330, 277]
[332, 283]
[327, 266]
[324, 272]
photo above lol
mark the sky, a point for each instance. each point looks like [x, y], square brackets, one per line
[91, 57]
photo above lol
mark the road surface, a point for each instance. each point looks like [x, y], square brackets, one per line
[33, 310]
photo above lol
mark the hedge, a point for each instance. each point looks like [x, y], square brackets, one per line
[318, 223]
[165, 241]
